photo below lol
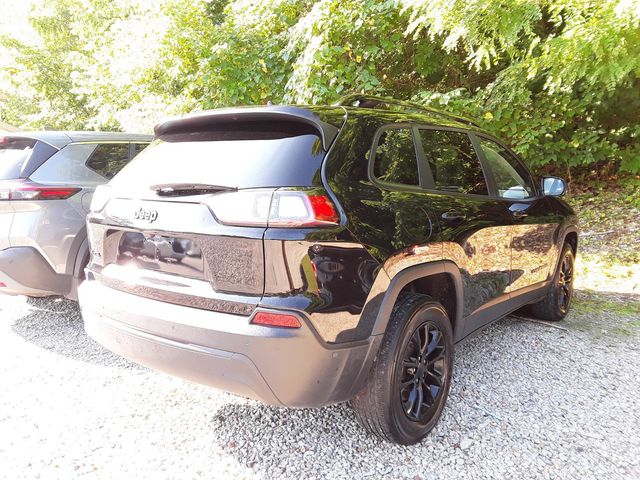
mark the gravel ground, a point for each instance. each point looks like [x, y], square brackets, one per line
[528, 401]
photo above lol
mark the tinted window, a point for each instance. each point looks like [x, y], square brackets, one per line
[109, 158]
[138, 147]
[512, 180]
[14, 152]
[395, 157]
[242, 156]
[453, 162]
[68, 166]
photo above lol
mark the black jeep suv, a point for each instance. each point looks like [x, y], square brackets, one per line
[310, 255]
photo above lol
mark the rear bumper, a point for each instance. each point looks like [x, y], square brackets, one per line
[279, 366]
[25, 271]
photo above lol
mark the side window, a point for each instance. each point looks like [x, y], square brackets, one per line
[138, 147]
[395, 158]
[453, 162]
[109, 158]
[512, 179]
[68, 166]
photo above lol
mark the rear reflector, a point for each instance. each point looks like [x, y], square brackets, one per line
[34, 191]
[270, 319]
[2, 285]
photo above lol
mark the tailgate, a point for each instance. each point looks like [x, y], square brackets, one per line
[152, 230]
[177, 252]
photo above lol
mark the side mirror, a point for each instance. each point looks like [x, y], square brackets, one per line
[554, 186]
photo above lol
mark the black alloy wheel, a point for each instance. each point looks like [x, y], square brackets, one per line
[555, 305]
[423, 372]
[407, 387]
[565, 284]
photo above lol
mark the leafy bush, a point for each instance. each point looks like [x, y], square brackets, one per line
[558, 78]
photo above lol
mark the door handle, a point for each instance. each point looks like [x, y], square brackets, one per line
[519, 214]
[452, 217]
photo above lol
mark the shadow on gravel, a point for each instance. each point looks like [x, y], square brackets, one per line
[55, 324]
[501, 385]
[615, 313]
[622, 297]
[261, 436]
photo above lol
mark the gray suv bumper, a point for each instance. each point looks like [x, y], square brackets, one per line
[24, 271]
[280, 366]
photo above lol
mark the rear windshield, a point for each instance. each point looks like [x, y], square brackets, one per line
[241, 156]
[14, 152]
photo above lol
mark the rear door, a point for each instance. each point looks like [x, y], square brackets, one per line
[405, 208]
[473, 226]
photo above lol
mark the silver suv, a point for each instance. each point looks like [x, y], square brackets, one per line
[47, 180]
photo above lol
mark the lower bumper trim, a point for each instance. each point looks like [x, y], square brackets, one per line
[227, 371]
[280, 366]
[25, 271]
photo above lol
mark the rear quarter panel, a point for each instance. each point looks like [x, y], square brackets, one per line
[50, 227]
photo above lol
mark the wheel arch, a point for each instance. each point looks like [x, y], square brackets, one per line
[571, 237]
[425, 276]
[82, 259]
[76, 264]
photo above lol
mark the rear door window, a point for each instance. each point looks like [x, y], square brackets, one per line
[109, 158]
[453, 162]
[395, 159]
[243, 155]
[14, 152]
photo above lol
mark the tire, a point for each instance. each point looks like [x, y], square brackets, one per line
[555, 306]
[391, 404]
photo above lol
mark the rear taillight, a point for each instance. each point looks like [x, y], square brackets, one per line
[34, 191]
[274, 208]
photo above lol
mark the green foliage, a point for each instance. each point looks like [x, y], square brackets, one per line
[82, 67]
[558, 78]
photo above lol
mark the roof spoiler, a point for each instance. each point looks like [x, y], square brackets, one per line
[208, 118]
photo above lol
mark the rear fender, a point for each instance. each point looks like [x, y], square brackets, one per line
[408, 275]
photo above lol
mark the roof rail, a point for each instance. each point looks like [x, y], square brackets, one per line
[371, 101]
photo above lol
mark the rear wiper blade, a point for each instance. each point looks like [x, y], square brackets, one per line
[181, 189]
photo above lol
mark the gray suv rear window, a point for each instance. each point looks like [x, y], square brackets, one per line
[241, 156]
